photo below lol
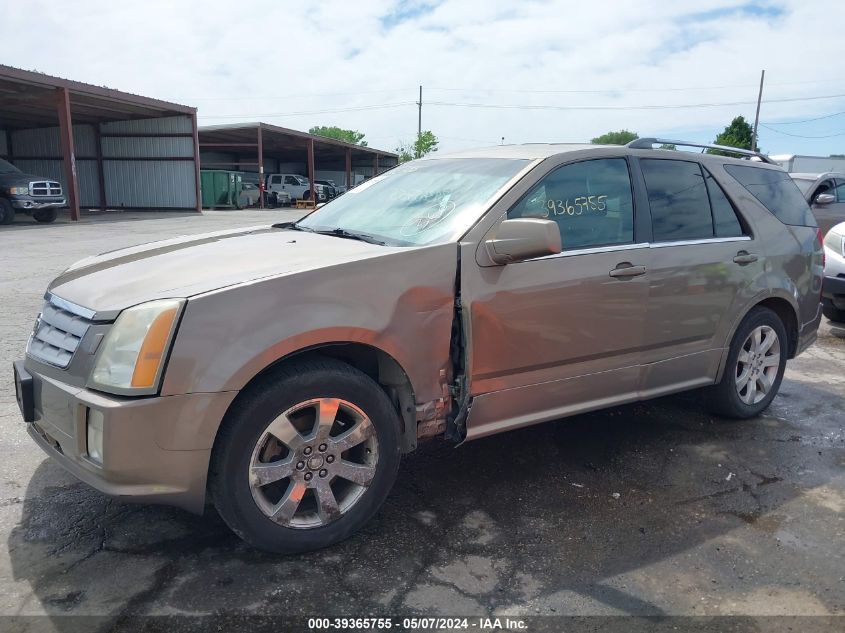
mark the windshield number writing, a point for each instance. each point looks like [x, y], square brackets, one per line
[579, 206]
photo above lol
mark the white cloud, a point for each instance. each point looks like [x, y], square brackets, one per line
[261, 58]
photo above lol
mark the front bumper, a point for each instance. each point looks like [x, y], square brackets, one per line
[33, 204]
[155, 449]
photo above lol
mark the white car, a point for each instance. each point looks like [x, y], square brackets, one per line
[833, 290]
[298, 187]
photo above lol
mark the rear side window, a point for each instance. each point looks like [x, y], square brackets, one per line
[725, 221]
[776, 191]
[677, 196]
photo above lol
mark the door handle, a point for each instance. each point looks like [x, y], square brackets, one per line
[626, 270]
[744, 257]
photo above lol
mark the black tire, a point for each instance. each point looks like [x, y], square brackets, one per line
[45, 216]
[244, 427]
[832, 312]
[723, 398]
[7, 212]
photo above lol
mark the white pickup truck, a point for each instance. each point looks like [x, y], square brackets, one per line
[298, 187]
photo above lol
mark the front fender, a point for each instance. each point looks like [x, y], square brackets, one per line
[401, 303]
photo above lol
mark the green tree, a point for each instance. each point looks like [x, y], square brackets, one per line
[349, 136]
[622, 137]
[667, 146]
[837, 155]
[738, 134]
[425, 144]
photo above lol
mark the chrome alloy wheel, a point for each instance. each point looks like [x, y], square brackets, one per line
[313, 463]
[757, 364]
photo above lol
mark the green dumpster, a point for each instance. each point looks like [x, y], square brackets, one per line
[221, 189]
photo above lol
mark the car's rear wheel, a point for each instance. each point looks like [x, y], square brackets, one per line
[306, 457]
[45, 216]
[832, 312]
[754, 369]
[7, 212]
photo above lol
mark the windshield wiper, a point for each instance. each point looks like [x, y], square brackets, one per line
[293, 226]
[351, 235]
[338, 232]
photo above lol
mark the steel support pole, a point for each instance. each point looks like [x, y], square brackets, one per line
[261, 184]
[348, 168]
[101, 178]
[311, 171]
[197, 185]
[68, 151]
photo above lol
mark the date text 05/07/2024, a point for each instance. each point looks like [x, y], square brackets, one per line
[419, 623]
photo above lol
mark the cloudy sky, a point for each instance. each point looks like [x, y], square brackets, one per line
[528, 71]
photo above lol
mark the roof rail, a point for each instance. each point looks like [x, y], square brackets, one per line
[648, 143]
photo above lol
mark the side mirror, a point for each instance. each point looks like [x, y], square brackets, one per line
[523, 238]
[824, 198]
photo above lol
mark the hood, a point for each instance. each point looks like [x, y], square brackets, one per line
[15, 178]
[192, 265]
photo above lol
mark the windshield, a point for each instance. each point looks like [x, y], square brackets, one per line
[421, 202]
[302, 181]
[8, 168]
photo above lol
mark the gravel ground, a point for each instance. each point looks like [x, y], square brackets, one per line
[653, 509]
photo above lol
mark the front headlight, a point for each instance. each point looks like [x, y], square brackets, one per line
[132, 357]
[19, 191]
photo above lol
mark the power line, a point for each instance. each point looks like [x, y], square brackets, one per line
[818, 118]
[625, 90]
[800, 135]
[632, 107]
[399, 104]
[295, 96]
[309, 112]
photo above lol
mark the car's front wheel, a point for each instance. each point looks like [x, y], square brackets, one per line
[7, 212]
[754, 369]
[307, 456]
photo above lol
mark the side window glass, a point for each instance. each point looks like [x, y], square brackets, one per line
[677, 196]
[776, 191]
[725, 221]
[840, 191]
[590, 201]
[290, 180]
[277, 180]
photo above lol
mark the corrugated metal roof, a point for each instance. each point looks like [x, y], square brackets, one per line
[270, 129]
[34, 77]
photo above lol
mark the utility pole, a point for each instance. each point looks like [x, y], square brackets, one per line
[757, 115]
[419, 125]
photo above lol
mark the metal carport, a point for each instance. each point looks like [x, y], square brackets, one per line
[109, 149]
[262, 148]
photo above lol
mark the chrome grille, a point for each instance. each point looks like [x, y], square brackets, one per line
[45, 188]
[56, 335]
